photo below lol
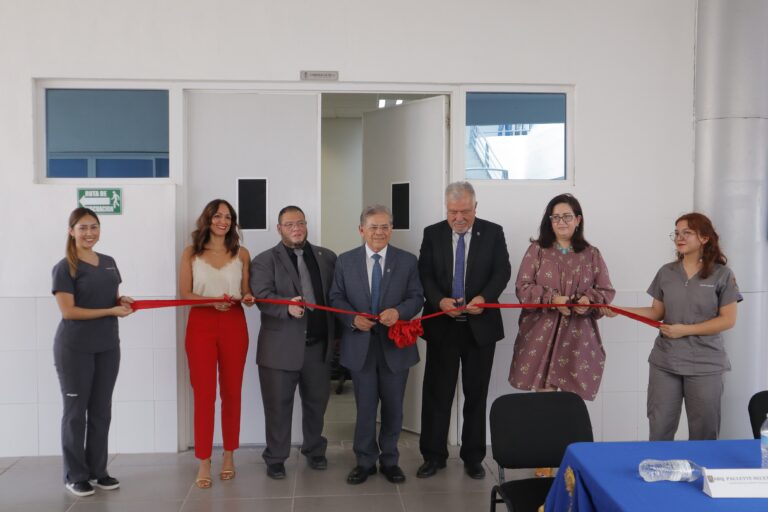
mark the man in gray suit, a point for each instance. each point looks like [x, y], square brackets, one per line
[384, 280]
[295, 343]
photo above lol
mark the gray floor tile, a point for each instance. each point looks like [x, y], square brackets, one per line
[333, 481]
[6, 462]
[37, 506]
[154, 459]
[39, 462]
[452, 479]
[250, 482]
[255, 505]
[339, 431]
[363, 503]
[34, 489]
[87, 505]
[340, 411]
[164, 483]
[453, 502]
[149, 483]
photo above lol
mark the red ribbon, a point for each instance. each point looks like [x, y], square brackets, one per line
[403, 333]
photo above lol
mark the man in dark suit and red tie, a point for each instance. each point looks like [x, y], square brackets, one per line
[463, 260]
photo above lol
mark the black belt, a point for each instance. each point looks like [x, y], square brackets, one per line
[311, 341]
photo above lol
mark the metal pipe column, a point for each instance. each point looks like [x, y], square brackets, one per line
[731, 174]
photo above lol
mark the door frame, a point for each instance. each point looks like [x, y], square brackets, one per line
[180, 145]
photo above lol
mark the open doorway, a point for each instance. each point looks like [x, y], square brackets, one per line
[370, 144]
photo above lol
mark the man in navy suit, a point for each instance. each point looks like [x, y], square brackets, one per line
[463, 261]
[384, 280]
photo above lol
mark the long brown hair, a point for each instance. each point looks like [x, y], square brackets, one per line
[547, 235]
[202, 235]
[71, 250]
[711, 254]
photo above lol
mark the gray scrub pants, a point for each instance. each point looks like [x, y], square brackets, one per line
[87, 381]
[702, 394]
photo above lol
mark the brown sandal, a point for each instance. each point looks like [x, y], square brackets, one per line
[228, 473]
[204, 482]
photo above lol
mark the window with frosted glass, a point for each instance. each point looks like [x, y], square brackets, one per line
[515, 136]
[106, 133]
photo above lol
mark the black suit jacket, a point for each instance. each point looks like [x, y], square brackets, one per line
[487, 274]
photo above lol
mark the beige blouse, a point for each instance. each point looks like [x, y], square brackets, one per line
[210, 281]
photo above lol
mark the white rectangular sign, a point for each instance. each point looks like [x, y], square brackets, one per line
[736, 483]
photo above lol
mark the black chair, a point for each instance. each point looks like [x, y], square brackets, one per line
[531, 430]
[758, 408]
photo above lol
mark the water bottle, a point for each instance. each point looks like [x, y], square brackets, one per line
[764, 443]
[673, 470]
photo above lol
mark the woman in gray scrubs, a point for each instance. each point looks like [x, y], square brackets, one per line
[86, 352]
[696, 296]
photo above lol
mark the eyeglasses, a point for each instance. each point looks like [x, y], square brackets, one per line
[384, 228]
[298, 224]
[685, 234]
[567, 218]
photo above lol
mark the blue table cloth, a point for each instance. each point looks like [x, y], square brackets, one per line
[603, 477]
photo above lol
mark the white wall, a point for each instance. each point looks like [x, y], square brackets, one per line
[342, 182]
[631, 63]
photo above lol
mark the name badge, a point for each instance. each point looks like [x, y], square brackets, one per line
[736, 483]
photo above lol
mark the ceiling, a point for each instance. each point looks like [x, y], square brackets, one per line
[346, 105]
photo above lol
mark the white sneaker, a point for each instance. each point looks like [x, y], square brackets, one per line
[81, 489]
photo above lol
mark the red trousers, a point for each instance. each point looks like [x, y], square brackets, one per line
[216, 340]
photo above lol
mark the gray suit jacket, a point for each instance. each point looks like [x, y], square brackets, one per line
[400, 289]
[282, 337]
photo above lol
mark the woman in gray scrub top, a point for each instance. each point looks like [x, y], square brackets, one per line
[86, 352]
[696, 296]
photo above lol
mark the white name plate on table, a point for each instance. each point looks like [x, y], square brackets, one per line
[736, 483]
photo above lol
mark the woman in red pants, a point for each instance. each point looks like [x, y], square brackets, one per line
[217, 337]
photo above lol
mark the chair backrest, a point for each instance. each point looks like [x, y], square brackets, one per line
[758, 408]
[534, 429]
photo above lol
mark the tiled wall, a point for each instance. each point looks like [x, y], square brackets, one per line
[144, 413]
[145, 417]
[618, 411]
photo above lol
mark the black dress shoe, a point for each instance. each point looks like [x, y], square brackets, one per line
[317, 461]
[360, 474]
[393, 473]
[474, 470]
[429, 468]
[276, 471]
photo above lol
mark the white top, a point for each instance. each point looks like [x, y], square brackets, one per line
[210, 281]
[369, 261]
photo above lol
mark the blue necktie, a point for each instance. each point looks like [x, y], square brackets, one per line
[458, 269]
[375, 284]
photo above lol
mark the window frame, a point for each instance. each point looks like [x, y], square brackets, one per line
[459, 129]
[175, 130]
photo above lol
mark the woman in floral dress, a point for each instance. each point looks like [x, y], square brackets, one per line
[560, 347]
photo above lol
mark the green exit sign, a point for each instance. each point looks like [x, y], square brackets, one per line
[105, 201]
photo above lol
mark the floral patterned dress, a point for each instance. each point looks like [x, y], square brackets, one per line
[552, 350]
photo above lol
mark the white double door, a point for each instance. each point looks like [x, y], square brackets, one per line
[276, 136]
